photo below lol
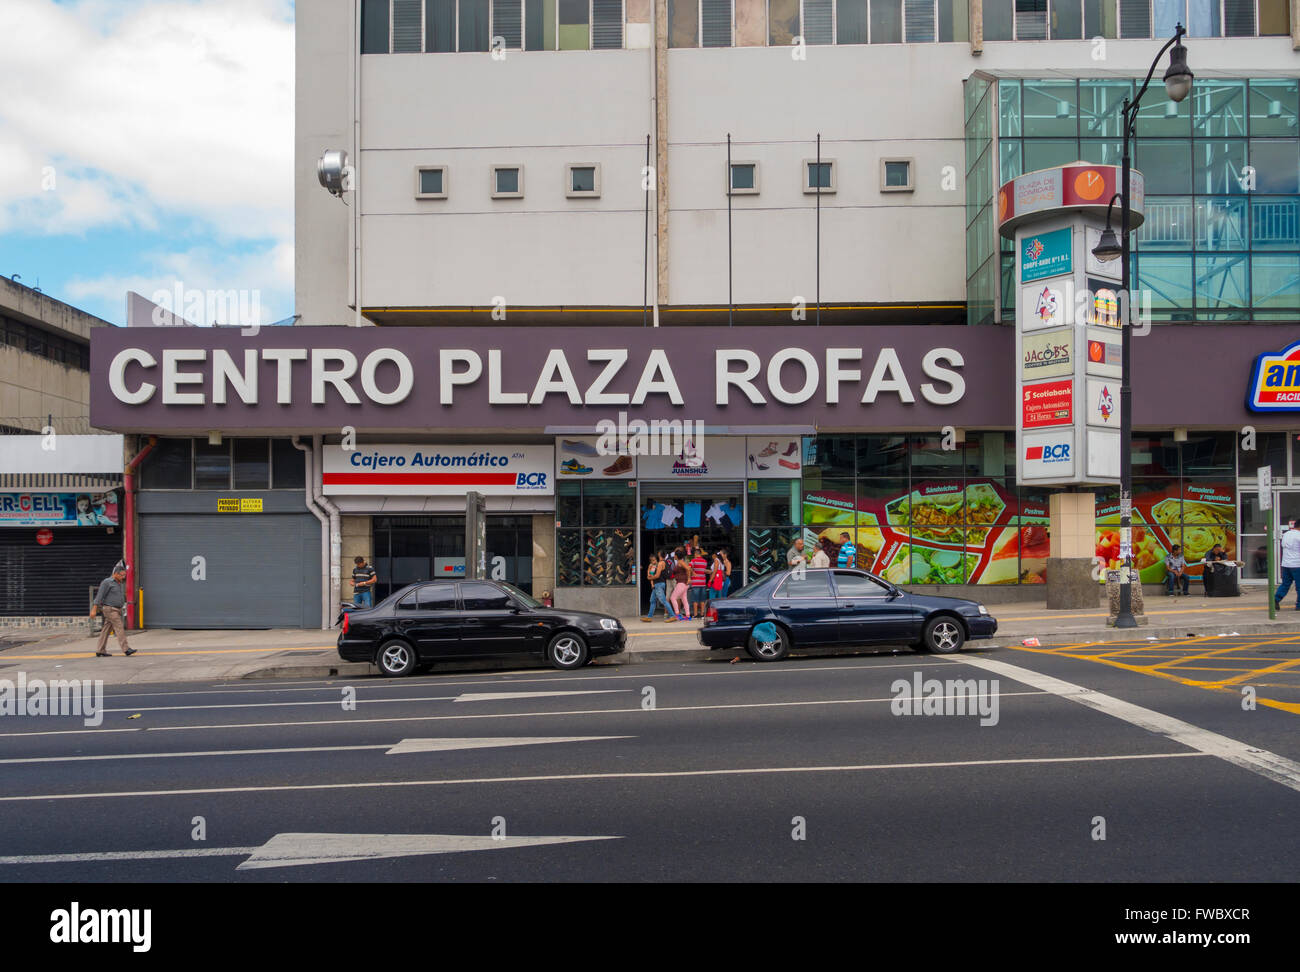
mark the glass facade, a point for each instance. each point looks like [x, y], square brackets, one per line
[1221, 241]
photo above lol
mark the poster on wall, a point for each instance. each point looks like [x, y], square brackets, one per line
[774, 457]
[59, 509]
[438, 470]
[585, 457]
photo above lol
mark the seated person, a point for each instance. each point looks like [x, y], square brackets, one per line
[1177, 571]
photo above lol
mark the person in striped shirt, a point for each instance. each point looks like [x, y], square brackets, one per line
[699, 583]
[848, 553]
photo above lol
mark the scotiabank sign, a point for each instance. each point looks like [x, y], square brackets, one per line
[194, 379]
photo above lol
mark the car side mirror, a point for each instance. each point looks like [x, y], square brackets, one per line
[894, 592]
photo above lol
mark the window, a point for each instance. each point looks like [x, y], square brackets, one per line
[886, 22]
[814, 583]
[507, 182]
[744, 178]
[484, 597]
[438, 597]
[582, 180]
[783, 21]
[1066, 20]
[439, 25]
[1134, 18]
[851, 21]
[410, 602]
[431, 182]
[918, 21]
[508, 23]
[574, 32]
[818, 21]
[374, 26]
[252, 463]
[1031, 19]
[211, 465]
[408, 29]
[715, 23]
[855, 585]
[606, 24]
[819, 177]
[1239, 18]
[168, 465]
[473, 25]
[896, 175]
[288, 465]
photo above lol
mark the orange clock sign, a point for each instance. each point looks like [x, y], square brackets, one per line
[1086, 185]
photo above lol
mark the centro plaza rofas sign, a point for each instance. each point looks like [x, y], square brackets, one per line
[294, 378]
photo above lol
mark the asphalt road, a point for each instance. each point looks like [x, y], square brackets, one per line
[801, 770]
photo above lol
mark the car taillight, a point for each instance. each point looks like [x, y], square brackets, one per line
[345, 622]
[711, 614]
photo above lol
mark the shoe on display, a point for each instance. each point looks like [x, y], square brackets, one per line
[794, 446]
[619, 466]
[769, 451]
[578, 448]
[756, 464]
[788, 464]
[574, 468]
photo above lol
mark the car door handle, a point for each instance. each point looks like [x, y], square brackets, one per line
[783, 607]
[848, 605]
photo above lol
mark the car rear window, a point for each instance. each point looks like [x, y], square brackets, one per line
[438, 597]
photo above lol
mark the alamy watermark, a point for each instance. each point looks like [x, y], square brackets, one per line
[57, 697]
[951, 697]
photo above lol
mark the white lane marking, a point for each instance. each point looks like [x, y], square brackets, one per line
[1269, 765]
[463, 697]
[293, 850]
[208, 752]
[573, 777]
[457, 680]
[451, 743]
[486, 715]
[509, 696]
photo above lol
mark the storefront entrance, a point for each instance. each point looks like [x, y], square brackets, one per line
[416, 548]
[1254, 522]
[673, 513]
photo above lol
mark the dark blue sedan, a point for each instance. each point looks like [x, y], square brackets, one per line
[820, 608]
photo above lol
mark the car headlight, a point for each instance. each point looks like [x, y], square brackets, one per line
[609, 624]
[983, 609]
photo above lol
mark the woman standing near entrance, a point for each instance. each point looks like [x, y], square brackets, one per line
[682, 577]
[655, 575]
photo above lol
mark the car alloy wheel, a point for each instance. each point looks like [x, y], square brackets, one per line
[769, 651]
[396, 658]
[944, 635]
[567, 650]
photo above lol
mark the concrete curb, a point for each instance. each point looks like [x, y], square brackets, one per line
[697, 654]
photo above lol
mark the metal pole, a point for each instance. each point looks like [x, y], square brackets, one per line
[819, 228]
[730, 301]
[1124, 618]
[645, 266]
[1272, 566]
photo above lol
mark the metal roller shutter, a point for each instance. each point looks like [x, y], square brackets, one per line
[261, 571]
[55, 579]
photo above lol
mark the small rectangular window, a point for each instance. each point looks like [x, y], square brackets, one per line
[851, 22]
[606, 24]
[1066, 22]
[886, 22]
[168, 465]
[252, 463]
[1031, 19]
[408, 30]
[211, 465]
[744, 178]
[575, 30]
[431, 182]
[440, 25]
[819, 176]
[715, 23]
[1238, 18]
[896, 175]
[288, 465]
[473, 25]
[583, 180]
[374, 26]
[507, 182]
[818, 21]
[918, 21]
[508, 23]
[1134, 18]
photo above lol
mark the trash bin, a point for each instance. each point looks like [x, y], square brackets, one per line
[1112, 596]
[1221, 579]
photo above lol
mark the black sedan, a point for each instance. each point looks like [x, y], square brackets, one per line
[818, 607]
[448, 619]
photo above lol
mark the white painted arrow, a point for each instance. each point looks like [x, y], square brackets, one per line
[292, 850]
[484, 742]
[499, 696]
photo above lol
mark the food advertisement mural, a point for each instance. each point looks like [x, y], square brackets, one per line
[1194, 515]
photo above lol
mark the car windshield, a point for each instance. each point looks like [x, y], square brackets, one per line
[525, 599]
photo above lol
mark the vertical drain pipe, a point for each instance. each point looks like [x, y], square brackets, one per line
[326, 621]
[336, 537]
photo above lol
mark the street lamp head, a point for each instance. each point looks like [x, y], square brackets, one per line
[1178, 79]
[1108, 247]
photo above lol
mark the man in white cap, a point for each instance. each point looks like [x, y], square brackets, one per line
[111, 600]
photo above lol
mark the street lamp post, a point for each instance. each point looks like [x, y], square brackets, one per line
[1178, 84]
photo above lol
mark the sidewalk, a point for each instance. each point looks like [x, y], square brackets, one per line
[180, 656]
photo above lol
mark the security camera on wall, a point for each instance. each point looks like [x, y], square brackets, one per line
[334, 172]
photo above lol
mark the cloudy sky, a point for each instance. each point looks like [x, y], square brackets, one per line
[146, 145]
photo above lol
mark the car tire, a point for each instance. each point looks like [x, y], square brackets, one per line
[396, 659]
[943, 635]
[567, 650]
[769, 651]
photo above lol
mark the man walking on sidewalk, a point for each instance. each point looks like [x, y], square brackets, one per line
[363, 583]
[1290, 566]
[111, 600]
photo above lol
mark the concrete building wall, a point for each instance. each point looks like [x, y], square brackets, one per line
[32, 389]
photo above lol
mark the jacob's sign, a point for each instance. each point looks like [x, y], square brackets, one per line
[1275, 381]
